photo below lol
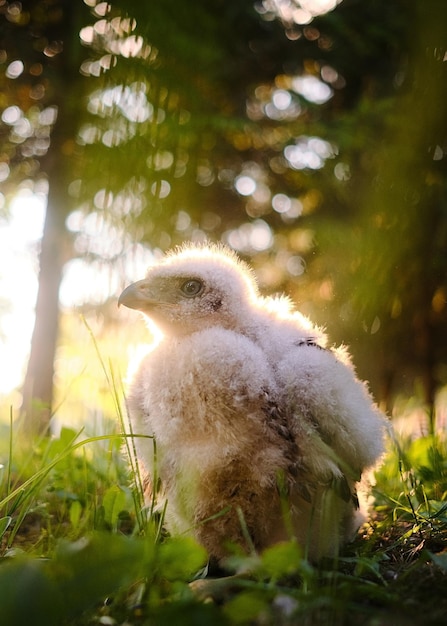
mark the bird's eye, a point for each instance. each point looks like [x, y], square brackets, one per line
[191, 288]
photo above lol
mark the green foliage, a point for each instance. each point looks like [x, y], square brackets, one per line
[412, 489]
[80, 575]
[91, 560]
[283, 559]
[180, 558]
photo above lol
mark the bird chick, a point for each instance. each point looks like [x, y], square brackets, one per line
[262, 431]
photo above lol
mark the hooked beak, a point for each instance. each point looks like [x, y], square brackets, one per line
[135, 296]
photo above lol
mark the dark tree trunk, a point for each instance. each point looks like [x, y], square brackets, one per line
[59, 165]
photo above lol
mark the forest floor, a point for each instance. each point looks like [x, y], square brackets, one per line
[76, 550]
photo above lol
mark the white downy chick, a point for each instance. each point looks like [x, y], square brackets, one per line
[251, 411]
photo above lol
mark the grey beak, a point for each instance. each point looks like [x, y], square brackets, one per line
[135, 296]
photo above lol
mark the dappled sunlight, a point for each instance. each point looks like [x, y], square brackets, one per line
[116, 39]
[251, 237]
[289, 97]
[281, 106]
[14, 69]
[245, 185]
[294, 11]
[309, 152]
[287, 207]
[311, 88]
[30, 130]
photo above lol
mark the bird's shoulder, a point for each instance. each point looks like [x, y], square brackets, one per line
[214, 353]
[282, 331]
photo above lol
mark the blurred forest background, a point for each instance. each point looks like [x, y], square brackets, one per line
[310, 136]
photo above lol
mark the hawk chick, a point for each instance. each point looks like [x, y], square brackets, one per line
[249, 409]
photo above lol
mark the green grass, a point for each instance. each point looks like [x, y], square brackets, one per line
[78, 548]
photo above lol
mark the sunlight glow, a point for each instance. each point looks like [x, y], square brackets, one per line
[245, 185]
[116, 38]
[291, 11]
[83, 282]
[94, 282]
[311, 88]
[309, 152]
[14, 69]
[281, 99]
[290, 208]
[18, 283]
[251, 236]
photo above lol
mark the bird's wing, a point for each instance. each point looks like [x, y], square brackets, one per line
[332, 409]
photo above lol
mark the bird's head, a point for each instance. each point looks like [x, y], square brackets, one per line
[194, 288]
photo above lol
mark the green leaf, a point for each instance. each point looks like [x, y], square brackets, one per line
[247, 607]
[27, 594]
[75, 513]
[180, 558]
[82, 574]
[114, 502]
[189, 614]
[281, 559]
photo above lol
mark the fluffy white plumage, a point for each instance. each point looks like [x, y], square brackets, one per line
[249, 408]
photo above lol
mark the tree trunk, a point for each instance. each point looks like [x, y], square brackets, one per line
[59, 166]
[38, 385]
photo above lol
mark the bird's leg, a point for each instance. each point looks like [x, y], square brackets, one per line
[218, 584]
[221, 588]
